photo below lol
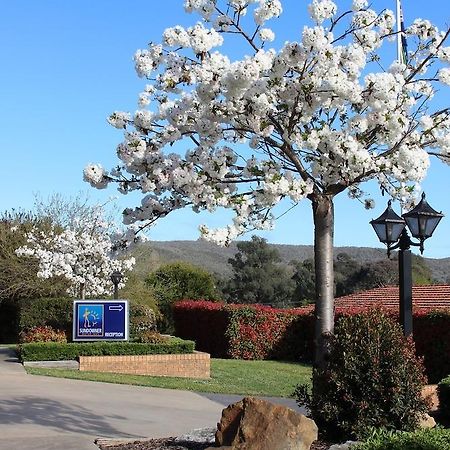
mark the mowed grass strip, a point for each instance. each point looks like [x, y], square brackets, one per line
[228, 376]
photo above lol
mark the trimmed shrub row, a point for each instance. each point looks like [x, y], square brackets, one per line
[245, 332]
[259, 332]
[55, 351]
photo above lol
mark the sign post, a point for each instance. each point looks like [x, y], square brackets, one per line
[100, 320]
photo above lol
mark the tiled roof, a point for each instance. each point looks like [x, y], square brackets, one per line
[427, 297]
[424, 298]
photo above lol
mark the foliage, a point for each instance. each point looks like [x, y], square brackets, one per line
[444, 396]
[379, 273]
[428, 439]
[208, 324]
[52, 351]
[54, 312]
[151, 337]
[368, 276]
[205, 323]
[421, 272]
[142, 321]
[253, 332]
[305, 281]
[242, 331]
[138, 291]
[372, 379]
[258, 276]
[18, 275]
[42, 334]
[432, 339]
[177, 281]
[228, 376]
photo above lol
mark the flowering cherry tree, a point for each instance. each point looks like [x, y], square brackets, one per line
[313, 118]
[83, 254]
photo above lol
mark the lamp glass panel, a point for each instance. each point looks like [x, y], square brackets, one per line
[413, 225]
[397, 229]
[388, 232]
[380, 229]
[431, 225]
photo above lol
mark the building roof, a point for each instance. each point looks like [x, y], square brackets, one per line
[424, 297]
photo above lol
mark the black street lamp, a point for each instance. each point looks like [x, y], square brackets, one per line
[390, 228]
[116, 278]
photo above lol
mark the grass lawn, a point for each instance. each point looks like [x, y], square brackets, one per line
[228, 376]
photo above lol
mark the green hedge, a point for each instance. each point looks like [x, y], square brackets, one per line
[444, 396]
[55, 351]
[431, 439]
[54, 312]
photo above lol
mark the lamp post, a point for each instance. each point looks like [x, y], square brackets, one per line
[391, 230]
[116, 278]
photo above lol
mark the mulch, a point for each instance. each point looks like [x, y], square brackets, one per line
[171, 444]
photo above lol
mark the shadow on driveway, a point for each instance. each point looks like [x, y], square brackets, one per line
[54, 414]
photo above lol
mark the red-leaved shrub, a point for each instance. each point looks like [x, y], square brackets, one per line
[205, 323]
[261, 332]
[43, 334]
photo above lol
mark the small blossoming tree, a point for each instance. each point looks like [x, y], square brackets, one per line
[83, 254]
[309, 120]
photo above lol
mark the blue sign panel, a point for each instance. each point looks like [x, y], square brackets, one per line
[100, 320]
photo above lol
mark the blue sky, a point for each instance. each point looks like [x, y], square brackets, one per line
[66, 65]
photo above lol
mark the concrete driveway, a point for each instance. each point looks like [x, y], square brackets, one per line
[44, 413]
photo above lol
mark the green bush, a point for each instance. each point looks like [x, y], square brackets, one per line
[444, 396]
[178, 281]
[142, 320]
[372, 379]
[43, 334]
[54, 312]
[434, 439]
[152, 337]
[52, 351]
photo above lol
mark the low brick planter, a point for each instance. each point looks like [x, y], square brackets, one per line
[193, 365]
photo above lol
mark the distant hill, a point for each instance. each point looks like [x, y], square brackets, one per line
[151, 255]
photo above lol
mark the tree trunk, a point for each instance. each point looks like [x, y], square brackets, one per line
[323, 213]
[82, 291]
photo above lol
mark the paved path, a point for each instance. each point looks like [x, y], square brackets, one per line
[44, 413]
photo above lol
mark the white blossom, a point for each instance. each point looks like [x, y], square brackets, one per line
[278, 126]
[321, 10]
[83, 254]
[266, 34]
[95, 175]
[444, 76]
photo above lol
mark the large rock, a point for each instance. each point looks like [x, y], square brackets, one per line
[257, 424]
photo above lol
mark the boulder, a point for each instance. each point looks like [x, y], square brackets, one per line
[257, 424]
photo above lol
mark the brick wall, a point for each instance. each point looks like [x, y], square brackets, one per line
[194, 365]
